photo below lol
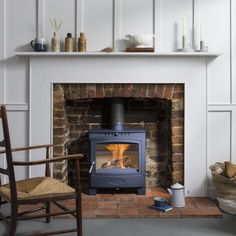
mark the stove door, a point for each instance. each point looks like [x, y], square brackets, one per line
[117, 155]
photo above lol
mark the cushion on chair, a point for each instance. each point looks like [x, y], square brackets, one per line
[38, 187]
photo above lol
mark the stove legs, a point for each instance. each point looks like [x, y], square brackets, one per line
[141, 191]
[92, 191]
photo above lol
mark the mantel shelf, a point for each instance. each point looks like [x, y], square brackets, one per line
[117, 54]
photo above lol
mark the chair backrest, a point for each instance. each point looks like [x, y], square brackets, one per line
[6, 143]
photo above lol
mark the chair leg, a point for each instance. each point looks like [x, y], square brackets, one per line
[48, 211]
[13, 222]
[79, 215]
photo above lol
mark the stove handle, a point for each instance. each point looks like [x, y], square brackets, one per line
[91, 167]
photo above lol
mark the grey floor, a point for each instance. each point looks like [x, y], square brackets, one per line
[138, 227]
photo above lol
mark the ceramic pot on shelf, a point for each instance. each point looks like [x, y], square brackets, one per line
[56, 42]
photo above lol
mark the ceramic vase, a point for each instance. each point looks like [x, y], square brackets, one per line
[56, 42]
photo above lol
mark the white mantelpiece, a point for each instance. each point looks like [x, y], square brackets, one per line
[117, 54]
[192, 71]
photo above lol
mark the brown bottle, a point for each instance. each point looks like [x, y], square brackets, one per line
[69, 43]
[82, 43]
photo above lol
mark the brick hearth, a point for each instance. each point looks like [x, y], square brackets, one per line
[80, 107]
[134, 206]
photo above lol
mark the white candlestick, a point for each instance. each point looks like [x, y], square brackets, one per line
[184, 26]
[201, 33]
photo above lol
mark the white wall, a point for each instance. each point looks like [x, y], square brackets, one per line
[18, 26]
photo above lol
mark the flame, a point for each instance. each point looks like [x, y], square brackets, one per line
[117, 151]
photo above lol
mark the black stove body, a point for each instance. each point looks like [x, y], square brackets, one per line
[117, 155]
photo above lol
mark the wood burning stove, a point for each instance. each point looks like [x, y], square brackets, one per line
[117, 155]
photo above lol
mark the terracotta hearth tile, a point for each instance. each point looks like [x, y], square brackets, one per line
[190, 203]
[127, 204]
[107, 205]
[203, 202]
[126, 198]
[147, 212]
[145, 201]
[86, 197]
[211, 212]
[190, 212]
[106, 197]
[89, 205]
[174, 213]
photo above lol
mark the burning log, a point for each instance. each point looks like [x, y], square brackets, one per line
[118, 163]
[117, 151]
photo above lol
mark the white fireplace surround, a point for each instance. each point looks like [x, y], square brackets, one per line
[191, 71]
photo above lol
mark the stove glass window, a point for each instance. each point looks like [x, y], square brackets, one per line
[117, 155]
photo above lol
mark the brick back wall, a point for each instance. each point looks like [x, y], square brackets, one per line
[158, 108]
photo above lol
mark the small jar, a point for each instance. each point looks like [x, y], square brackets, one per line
[69, 43]
[56, 42]
[82, 43]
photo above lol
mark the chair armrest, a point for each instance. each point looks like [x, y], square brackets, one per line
[28, 148]
[44, 161]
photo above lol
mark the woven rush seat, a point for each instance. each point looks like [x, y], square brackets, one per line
[38, 187]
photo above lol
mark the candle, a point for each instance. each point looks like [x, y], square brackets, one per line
[184, 26]
[201, 32]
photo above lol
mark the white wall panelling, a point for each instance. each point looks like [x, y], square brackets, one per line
[219, 140]
[2, 51]
[116, 24]
[20, 30]
[233, 50]
[98, 24]
[2, 72]
[79, 11]
[172, 14]
[215, 16]
[39, 18]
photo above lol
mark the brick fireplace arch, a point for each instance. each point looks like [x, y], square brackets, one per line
[66, 96]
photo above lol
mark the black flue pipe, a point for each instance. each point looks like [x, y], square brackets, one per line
[117, 113]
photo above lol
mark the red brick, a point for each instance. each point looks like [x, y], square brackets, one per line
[159, 91]
[108, 90]
[91, 90]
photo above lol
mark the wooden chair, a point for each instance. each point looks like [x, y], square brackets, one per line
[32, 191]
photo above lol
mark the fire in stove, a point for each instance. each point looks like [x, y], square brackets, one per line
[117, 155]
[117, 151]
